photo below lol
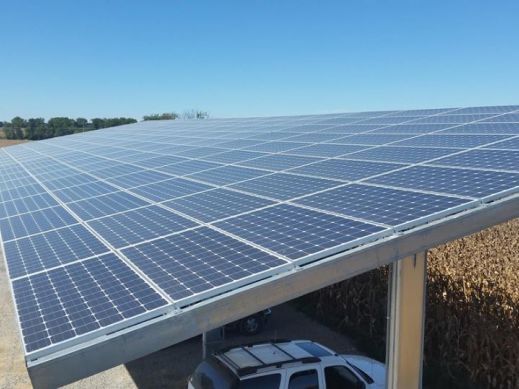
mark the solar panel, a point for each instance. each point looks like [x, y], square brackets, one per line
[138, 225]
[111, 228]
[198, 260]
[217, 204]
[347, 170]
[383, 205]
[284, 186]
[305, 232]
[463, 182]
[82, 297]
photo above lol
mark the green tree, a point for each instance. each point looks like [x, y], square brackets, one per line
[164, 116]
[36, 128]
[59, 126]
[81, 123]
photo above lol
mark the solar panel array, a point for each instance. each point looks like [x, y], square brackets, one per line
[112, 227]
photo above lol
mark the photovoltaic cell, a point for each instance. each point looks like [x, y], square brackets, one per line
[51, 249]
[138, 225]
[170, 189]
[82, 192]
[458, 141]
[217, 204]
[198, 260]
[510, 144]
[382, 205]
[485, 159]
[188, 167]
[484, 128]
[26, 204]
[296, 232]
[227, 175]
[137, 179]
[463, 182]
[32, 223]
[346, 170]
[402, 154]
[79, 298]
[284, 186]
[233, 156]
[278, 162]
[371, 139]
[105, 205]
[275, 147]
[327, 150]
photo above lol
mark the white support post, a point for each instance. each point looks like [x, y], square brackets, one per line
[405, 330]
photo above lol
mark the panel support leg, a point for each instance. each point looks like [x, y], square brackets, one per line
[211, 340]
[405, 331]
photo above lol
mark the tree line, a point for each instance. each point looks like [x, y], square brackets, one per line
[38, 128]
[187, 115]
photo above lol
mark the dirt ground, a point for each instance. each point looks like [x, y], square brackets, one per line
[166, 368]
[7, 142]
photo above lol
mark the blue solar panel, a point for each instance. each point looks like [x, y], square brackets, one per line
[371, 139]
[284, 186]
[510, 144]
[278, 162]
[382, 205]
[327, 150]
[402, 154]
[217, 204]
[484, 128]
[21, 191]
[159, 160]
[137, 179]
[485, 159]
[32, 223]
[411, 128]
[507, 118]
[170, 189]
[233, 156]
[187, 167]
[198, 260]
[82, 192]
[346, 170]
[463, 182]
[51, 249]
[138, 225]
[275, 147]
[231, 219]
[465, 118]
[79, 298]
[105, 205]
[459, 141]
[227, 175]
[26, 204]
[296, 232]
[66, 182]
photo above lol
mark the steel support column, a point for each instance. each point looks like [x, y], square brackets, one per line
[212, 340]
[405, 331]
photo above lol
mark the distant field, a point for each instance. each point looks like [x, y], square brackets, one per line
[7, 142]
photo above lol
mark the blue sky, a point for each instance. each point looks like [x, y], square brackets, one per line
[248, 58]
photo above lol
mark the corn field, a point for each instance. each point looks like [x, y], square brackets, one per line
[472, 317]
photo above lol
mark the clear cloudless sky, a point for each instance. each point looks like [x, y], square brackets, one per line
[246, 58]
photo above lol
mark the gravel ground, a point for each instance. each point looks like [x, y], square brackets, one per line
[166, 368]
